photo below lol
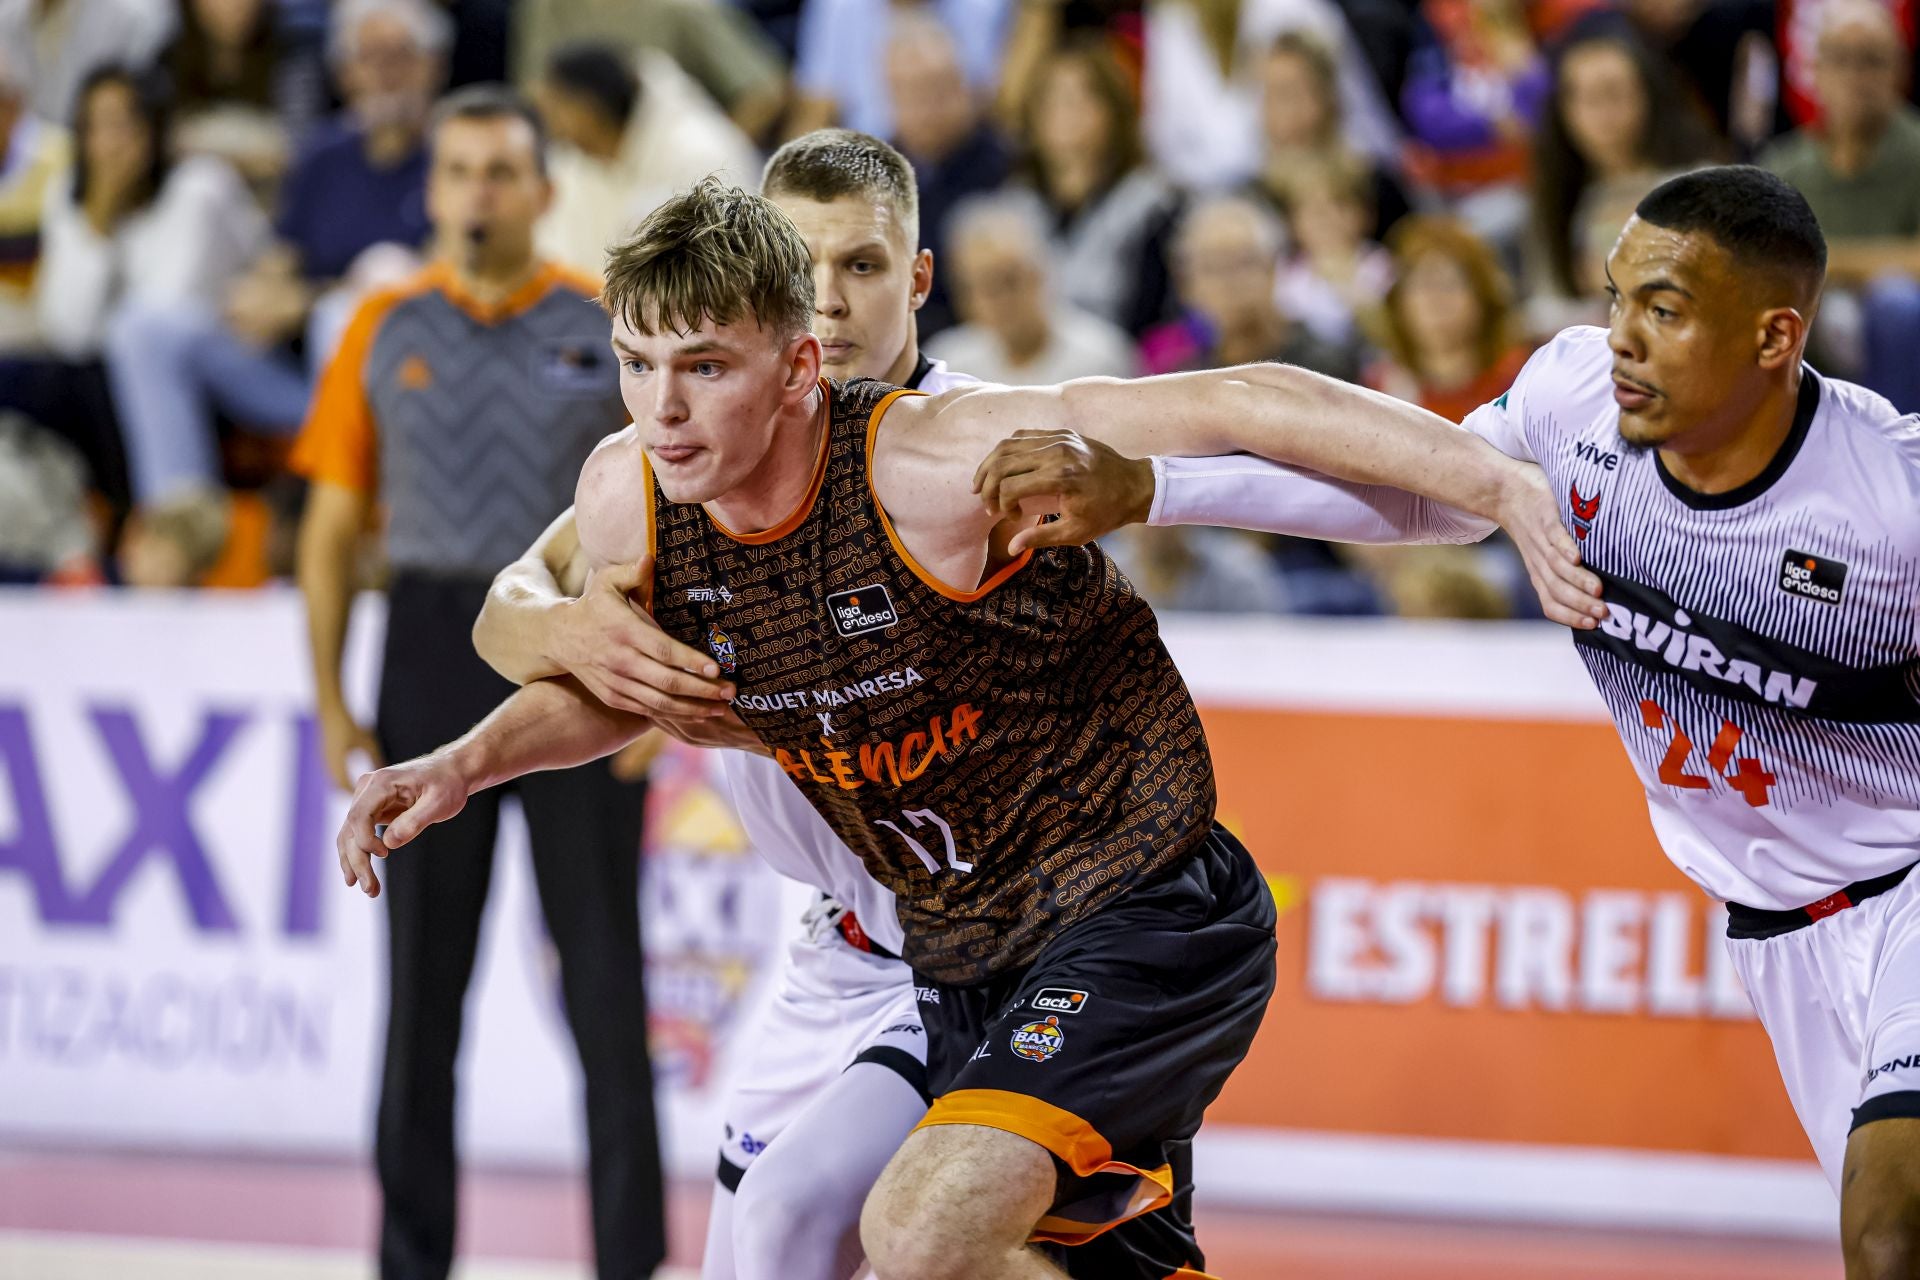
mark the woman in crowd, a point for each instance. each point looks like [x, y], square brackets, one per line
[1111, 215]
[1614, 127]
[1303, 125]
[1448, 321]
[243, 91]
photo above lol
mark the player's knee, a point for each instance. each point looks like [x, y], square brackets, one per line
[1885, 1246]
[908, 1241]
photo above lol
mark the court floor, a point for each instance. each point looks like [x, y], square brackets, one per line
[110, 1216]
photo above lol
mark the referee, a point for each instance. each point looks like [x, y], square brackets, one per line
[463, 403]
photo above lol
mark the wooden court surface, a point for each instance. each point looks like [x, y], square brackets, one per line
[118, 1216]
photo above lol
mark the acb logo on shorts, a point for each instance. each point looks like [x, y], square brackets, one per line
[1038, 1041]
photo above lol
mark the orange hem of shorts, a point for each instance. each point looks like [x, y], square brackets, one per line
[980, 592]
[1067, 1136]
[799, 514]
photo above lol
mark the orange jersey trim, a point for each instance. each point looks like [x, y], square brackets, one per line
[546, 275]
[653, 538]
[1067, 1136]
[1188, 1273]
[798, 515]
[980, 592]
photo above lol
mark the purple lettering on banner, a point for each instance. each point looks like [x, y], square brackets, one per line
[161, 821]
[307, 845]
[31, 851]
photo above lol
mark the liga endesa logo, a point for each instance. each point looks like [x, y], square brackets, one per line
[1513, 947]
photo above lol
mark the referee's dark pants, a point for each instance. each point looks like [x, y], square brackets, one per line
[586, 860]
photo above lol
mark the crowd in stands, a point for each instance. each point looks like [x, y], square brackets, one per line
[1407, 194]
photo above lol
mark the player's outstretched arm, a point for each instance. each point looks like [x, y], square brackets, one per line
[1093, 489]
[550, 724]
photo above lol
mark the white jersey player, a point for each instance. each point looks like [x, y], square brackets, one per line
[1754, 529]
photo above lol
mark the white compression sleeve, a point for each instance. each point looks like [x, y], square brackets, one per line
[1244, 492]
[797, 1213]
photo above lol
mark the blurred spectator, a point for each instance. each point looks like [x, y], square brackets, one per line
[1443, 582]
[46, 535]
[1112, 216]
[626, 137]
[1860, 171]
[712, 41]
[1203, 85]
[1614, 124]
[940, 125]
[1726, 56]
[1448, 322]
[33, 156]
[1015, 332]
[242, 92]
[172, 543]
[359, 184]
[1475, 89]
[65, 41]
[1198, 570]
[1227, 257]
[838, 71]
[1338, 272]
[1302, 122]
[132, 226]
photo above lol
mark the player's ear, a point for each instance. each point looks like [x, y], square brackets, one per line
[1782, 336]
[802, 358]
[922, 279]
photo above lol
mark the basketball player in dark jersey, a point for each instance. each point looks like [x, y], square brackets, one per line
[999, 733]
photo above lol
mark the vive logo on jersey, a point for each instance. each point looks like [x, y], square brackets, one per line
[1812, 577]
[1586, 451]
[1585, 511]
[720, 645]
[1038, 1041]
[861, 610]
[1060, 1000]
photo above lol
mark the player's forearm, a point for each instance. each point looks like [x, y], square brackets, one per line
[1244, 492]
[1290, 415]
[549, 724]
[515, 631]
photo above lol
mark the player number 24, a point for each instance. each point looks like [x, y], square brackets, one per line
[920, 818]
[1750, 778]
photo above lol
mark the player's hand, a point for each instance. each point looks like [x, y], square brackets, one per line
[723, 731]
[1569, 594]
[1089, 486]
[406, 799]
[608, 642]
[341, 738]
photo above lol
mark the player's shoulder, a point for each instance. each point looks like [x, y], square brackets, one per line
[613, 502]
[1884, 442]
[1565, 386]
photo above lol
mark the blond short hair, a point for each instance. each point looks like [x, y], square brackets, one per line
[716, 253]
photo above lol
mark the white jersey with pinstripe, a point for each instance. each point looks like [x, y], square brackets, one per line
[1761, 654]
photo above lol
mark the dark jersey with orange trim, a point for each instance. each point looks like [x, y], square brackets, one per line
[1007, 760]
